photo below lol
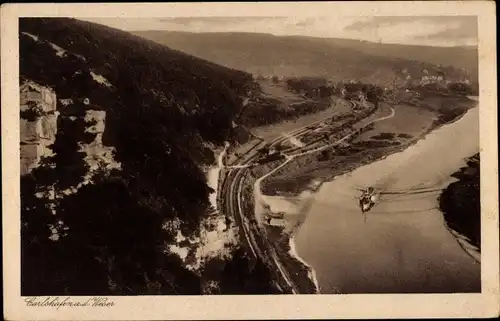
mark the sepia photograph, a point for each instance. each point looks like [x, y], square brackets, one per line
[250, 154]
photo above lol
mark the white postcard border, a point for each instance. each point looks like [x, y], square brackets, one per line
[485, 304]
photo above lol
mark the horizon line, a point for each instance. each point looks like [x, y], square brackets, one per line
[302, 36]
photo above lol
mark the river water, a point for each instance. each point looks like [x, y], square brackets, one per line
[402, 245]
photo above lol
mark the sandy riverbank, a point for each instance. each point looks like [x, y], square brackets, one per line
[294, 212]
[311, 273]
[291, 223]
[298, 174]
[329, 221]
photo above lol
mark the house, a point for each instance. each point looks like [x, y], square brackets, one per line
[275, 221]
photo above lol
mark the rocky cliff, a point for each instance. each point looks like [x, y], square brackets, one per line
[38, 132]
[122, 161]
[38, 124]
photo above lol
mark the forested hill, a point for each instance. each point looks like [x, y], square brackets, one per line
[164, 112]
[142, 72]
[341, 59]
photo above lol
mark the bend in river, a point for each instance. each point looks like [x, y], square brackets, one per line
[404, 245]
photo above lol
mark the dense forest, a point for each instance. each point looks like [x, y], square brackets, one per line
[310, 87]
[315, 94]
[268, 110]
[162, 109]
[461, 201]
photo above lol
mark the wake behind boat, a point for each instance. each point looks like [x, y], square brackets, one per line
[370, 196]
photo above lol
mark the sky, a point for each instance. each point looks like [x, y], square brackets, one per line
[421, 30]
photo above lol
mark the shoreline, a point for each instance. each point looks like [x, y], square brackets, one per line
[294, 254]
[314, 186]
[464, 242]
[311, 273]
[460, 226]
[398, 149]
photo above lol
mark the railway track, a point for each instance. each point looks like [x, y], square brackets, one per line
[232, 189]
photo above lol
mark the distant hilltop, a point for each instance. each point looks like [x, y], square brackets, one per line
[266, 54]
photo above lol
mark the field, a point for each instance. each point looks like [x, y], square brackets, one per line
[407, 120]
[270, 132]
[409, 124]
[279, 91]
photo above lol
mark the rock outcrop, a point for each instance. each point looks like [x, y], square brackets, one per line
[38, 131]
[98, 156]
[38, 124]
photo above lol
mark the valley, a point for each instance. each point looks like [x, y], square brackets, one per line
[268, 234]
[206, 167]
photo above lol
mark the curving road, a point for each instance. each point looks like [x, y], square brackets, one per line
[233, 199]
[406, 246]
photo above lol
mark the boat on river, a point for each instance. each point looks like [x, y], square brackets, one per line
[368, 199]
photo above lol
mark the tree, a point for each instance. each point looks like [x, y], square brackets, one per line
[240, 276]
[324, 155]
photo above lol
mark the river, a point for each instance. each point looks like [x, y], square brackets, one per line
[403, 245]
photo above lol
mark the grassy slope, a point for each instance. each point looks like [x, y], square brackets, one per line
[298, 56]
[162, 108]
[275, 103]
